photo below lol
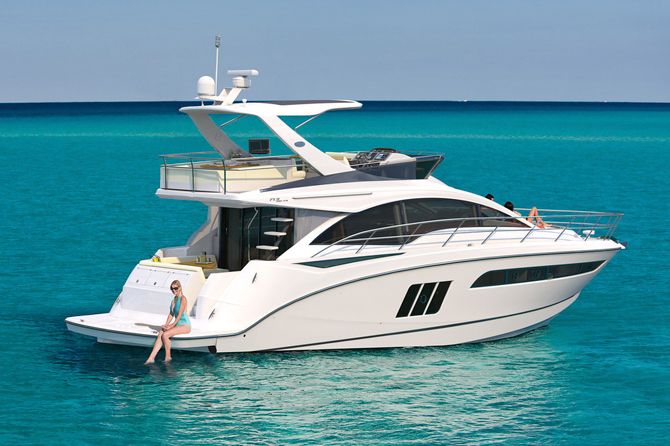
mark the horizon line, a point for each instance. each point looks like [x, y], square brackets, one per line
[525, 101]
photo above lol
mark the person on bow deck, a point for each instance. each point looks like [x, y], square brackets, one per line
[176, 323]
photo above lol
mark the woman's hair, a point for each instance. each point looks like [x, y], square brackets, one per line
[175, 282]
[508, 205]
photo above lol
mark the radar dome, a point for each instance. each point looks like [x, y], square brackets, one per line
[206, 86]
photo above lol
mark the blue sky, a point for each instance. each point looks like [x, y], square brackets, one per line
[425, 50]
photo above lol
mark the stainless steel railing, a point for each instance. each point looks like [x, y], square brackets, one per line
[560, 225]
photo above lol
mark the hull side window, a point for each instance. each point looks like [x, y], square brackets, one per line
[533, 274]
[423, 299]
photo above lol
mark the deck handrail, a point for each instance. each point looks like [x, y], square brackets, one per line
[567, 222]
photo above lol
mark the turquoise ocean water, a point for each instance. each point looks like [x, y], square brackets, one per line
[79, 210]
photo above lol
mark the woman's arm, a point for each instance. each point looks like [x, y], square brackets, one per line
[169, 318]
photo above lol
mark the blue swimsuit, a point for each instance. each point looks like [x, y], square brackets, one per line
[174, 311]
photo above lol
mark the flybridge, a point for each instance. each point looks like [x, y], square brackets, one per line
[223, 102]
[234, 169]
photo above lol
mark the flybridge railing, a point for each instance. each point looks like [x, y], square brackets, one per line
[209, 172]
[557, 225]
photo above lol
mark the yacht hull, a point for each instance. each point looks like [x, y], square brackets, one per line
[365, 311]
[467, 332]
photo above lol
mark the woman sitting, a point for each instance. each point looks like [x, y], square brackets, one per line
[176, 323]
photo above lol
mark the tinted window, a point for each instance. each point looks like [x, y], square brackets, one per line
[417, 301]
[518, 275]
[486, 211]
[565, 270]
[398, 213]
[491, 278]
[538, 273]
[521, 275]
[424, 296]
[426, 164]
[373, 218]
[440, 209]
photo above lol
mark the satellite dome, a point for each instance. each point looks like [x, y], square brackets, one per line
[206, 86]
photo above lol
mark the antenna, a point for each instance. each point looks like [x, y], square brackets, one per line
[217, 44]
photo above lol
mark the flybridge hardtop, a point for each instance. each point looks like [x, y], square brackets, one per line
[338, 250]
[276, 108]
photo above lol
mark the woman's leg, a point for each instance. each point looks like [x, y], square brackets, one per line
[157, 346]
[534, 217]
[179, 329]
[538, 220]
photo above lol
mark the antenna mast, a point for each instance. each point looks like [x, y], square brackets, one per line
[217, 44]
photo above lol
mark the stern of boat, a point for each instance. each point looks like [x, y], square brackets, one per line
[143, 304]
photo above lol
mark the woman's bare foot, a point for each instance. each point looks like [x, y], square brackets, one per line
[167, 360]
[148, 362]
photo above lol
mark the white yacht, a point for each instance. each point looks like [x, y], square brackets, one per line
[321, 250]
